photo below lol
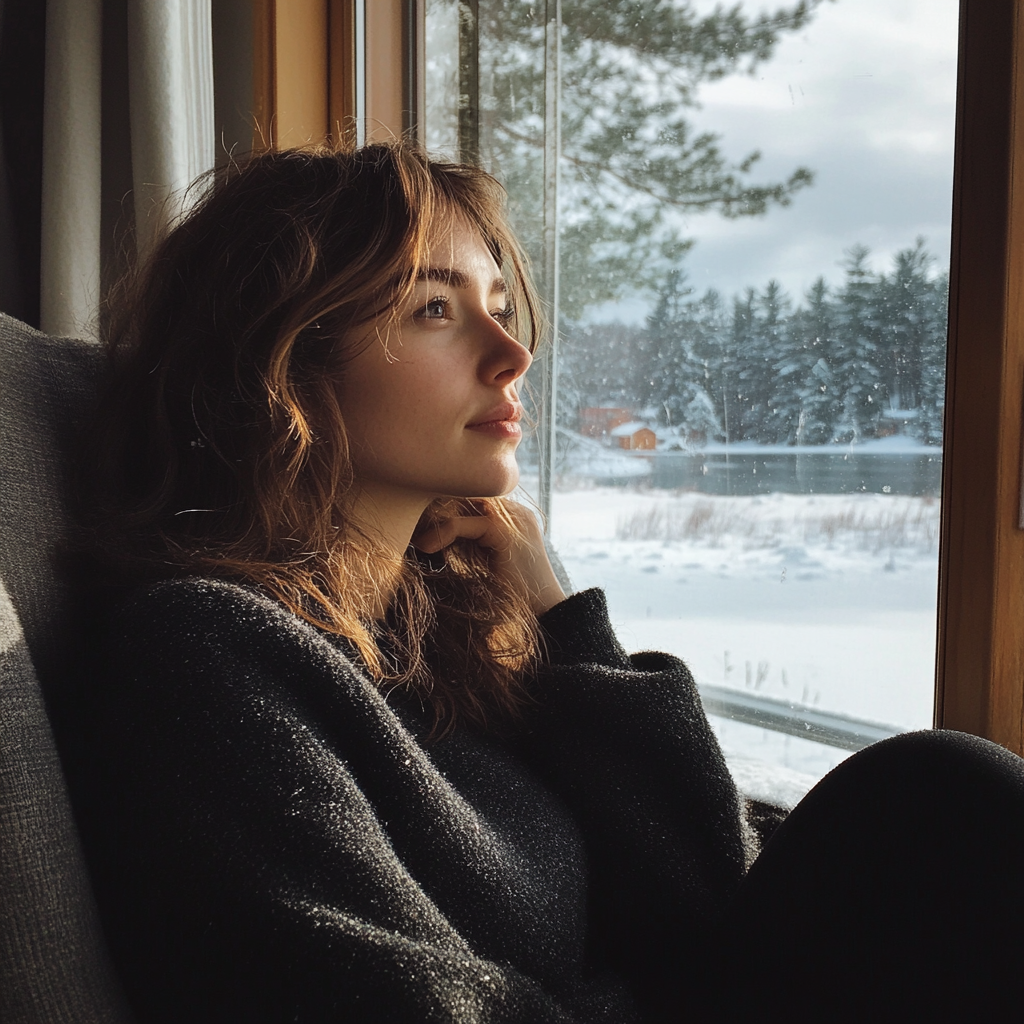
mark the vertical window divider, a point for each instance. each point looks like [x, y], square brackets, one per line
[343, 85]
[547, 428]
[360, 71]
[413, 61]
[469, 82]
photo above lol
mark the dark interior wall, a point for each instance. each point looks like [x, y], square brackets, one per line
[22, 47]
[117, 211]
[232, 77]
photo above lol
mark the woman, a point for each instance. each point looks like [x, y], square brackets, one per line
[349, 753]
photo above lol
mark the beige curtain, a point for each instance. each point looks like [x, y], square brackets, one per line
[70, 258]
[171, 100]
[170, 76]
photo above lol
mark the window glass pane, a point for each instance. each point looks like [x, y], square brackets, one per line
[753, 218]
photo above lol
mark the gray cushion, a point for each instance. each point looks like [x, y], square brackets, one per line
[53, 962]
[47, 386]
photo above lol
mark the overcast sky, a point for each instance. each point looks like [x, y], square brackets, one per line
[865, 98]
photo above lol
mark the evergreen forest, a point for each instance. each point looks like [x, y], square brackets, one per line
[860, 359]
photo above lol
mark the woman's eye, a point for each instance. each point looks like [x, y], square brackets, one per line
[435, 309]
[504, 316]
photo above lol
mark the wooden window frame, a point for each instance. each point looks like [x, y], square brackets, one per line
[980, 656]
[305, 87]
[980, 650]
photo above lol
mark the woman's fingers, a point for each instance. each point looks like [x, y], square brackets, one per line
[518, 548]
[438, 536]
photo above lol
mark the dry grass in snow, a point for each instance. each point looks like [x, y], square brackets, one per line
[849, 523]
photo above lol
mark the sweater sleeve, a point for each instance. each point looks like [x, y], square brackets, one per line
[625, 741]
[250, 797]
[577, 631]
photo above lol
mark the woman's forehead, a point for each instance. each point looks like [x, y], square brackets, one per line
[454, 245]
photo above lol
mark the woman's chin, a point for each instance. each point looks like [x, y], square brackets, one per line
[496, 485]
[510, 483]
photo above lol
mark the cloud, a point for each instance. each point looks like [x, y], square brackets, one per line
[865, 97]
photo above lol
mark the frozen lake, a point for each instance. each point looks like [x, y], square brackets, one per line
[824, 600]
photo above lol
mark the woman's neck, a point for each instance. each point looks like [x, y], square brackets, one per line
[388, 518]
[387, 523]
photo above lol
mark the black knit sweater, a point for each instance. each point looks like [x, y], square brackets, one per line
[273, 840]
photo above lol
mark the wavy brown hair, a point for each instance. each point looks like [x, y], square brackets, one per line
[220, 448]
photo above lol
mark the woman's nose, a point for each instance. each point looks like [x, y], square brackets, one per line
[506, 359]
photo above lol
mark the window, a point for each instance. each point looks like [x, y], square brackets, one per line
[746, 444]
[980, 641]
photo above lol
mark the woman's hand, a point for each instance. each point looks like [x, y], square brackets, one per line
[517, 550]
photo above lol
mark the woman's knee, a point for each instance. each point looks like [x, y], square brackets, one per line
[946, 769]
[931, 800]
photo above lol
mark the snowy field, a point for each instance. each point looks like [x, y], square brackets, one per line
[822, 600]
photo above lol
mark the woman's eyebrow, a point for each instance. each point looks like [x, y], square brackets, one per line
[457, 279]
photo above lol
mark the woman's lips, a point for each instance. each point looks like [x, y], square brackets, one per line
[502, 422]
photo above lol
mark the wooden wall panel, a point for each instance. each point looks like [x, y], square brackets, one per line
[264, 76]
[384, 60]
[304, 69]
[301, 94]
[980, 671]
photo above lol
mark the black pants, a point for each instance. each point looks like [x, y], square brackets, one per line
[894, 891]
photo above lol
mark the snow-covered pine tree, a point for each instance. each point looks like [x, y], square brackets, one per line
[755, 330]
[773, 327]
[677, 381]
[855, 368]
[904, 297]
[599, 366]
[709, 324]
[752, 369]
[665, 347]
[737, 342]
[932, 398]
[804, 390]
[820, 401]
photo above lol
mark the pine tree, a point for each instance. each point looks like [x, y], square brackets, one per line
[932, 395]
[903, 317]
[912, 319]
[756, 327]
[738, 342]
[678, 377]
[600, 364]
[666, 357]
[773, 341]
[709, 329]
[820, 400]
[754, 369]
[804, 391]
[855, 368]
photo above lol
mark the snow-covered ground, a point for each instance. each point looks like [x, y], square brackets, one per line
[823, 600]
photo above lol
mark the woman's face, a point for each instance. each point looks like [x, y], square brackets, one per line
[431, 403]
